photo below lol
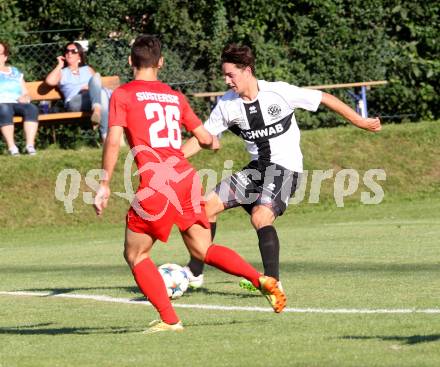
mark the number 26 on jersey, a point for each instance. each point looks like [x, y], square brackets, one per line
[165, 118]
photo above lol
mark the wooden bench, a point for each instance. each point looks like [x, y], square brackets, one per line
[360, 97]
[40, 91]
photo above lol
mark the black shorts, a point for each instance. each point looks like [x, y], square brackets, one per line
[257, 183]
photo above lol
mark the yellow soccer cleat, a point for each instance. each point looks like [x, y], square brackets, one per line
[157, 326]
[270, 288]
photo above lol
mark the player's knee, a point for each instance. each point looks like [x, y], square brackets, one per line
[126, 256]
[257, 223]
[210, 209]
[129, 258]
[133, 257]
[213, 206]
[262, 217]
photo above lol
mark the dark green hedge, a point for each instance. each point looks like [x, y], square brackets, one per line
[305, 42]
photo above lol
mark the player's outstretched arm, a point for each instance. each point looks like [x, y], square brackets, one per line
[335, 104]
[109, 159]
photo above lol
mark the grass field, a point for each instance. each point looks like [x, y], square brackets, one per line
[377, 257]
[363, 281]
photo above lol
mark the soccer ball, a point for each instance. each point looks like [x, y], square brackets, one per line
[175, 278]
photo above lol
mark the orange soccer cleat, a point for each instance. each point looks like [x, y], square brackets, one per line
[270, 288]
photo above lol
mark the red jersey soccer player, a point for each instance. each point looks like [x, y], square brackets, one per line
[151, 114]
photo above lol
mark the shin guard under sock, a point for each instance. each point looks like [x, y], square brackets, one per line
[152, 286]
[270, 251]
[229, 261]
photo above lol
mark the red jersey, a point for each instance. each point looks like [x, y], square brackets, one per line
[152, 114]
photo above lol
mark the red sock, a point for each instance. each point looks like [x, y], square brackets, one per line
[229, 261]
[151, 284]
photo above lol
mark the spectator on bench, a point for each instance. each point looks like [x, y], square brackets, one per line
[15, 100]
[81, 86]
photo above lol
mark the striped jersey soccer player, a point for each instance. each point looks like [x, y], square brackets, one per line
[262, 114]
[151, 114]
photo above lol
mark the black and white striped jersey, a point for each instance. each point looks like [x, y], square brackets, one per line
[267, 124]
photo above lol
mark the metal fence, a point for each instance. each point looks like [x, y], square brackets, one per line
[36, 60]
[107, 56]
[35, 52]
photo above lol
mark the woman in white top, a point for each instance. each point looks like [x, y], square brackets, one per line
[15, 100]
[81, 85]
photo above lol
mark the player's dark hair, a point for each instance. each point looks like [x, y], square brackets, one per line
[5, 47]
[240, 56]
[145, 51]
[81, 53]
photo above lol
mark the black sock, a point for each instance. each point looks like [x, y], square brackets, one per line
[213, 229]
[270, 251]
[195, 265]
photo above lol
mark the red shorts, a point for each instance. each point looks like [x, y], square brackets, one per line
[177, 203]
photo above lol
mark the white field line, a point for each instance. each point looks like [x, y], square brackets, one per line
[382, 223]
[227, 308]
